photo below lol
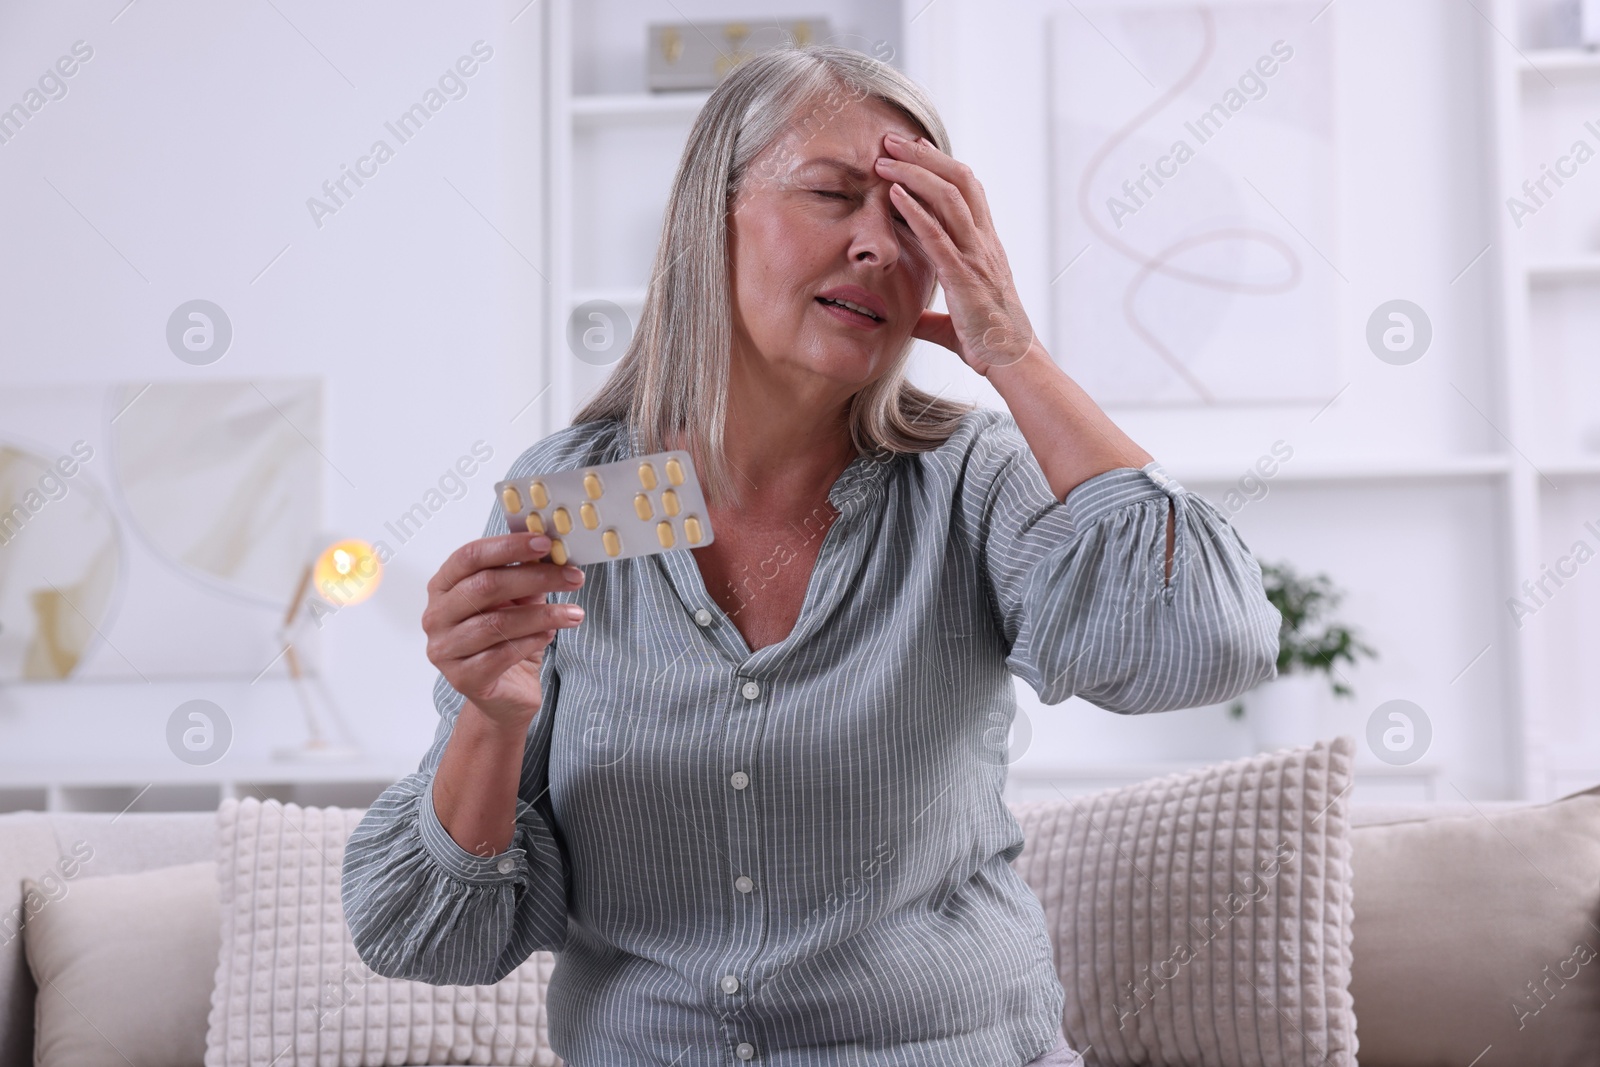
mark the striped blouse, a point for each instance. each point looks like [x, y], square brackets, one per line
[801, 856]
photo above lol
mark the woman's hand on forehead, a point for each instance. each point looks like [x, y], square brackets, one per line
[946, 208]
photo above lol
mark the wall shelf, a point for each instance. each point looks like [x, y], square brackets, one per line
[1570, 466]
[1381, 469]
[1558, 60]
[166, 786]
[634, 107]
[1577, 268]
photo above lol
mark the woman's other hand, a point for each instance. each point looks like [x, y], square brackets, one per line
[488, 622]
[945, 206]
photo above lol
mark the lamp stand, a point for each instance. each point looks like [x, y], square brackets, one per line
[316, 748]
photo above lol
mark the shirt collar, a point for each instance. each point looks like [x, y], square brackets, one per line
[856, 487]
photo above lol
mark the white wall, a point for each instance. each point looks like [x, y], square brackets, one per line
[191, 141]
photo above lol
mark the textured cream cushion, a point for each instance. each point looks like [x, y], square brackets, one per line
[289, 982]
[1204, 918]
[124, 964]
[1480, 930]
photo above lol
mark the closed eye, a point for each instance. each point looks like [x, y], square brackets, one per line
[847, 196]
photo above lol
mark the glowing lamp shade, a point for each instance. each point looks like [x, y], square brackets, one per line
[347, 572]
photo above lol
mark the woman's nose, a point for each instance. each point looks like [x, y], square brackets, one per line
[876, 237]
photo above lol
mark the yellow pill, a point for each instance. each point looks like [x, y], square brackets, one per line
[558, 551]
[590, 517]
[612, 542]
[535, 523]
[563, 521]
[641, 506]
[512, 501]
[647, 476]
[674, 471]
[691, 529]
[669, 502]
[537, 495]
[664, 533]
[591, 485]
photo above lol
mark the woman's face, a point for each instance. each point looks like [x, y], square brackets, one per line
[814, 218]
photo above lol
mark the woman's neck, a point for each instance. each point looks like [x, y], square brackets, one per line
[786, 461]
[786, 448]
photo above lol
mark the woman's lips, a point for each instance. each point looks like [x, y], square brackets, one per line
[854, 318]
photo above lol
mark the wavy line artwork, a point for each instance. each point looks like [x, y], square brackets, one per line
[1193, 243]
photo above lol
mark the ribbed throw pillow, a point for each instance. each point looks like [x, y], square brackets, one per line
[1204, 918]
[291, 989]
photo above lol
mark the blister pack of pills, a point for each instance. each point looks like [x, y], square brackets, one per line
[632, 507]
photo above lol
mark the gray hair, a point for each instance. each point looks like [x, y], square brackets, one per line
[674, 376]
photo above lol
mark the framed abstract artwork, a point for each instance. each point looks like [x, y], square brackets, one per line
[153, 529]
[1195, 223]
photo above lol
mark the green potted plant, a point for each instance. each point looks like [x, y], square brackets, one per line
[1310, 648]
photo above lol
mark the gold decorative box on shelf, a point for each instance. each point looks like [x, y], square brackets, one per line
[696, 55]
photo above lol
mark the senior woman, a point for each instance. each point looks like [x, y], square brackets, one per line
[750, 793]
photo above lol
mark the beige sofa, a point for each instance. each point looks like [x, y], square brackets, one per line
[1401, 850]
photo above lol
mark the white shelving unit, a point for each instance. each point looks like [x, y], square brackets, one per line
[599, 250]
[1532, 85]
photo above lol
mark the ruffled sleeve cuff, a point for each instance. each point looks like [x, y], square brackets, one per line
[507, 866]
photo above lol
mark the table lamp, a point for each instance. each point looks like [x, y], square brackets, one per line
[342, 574]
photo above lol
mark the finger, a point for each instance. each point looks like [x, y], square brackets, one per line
[941, 199]
[941, 250]
[490, 628]
[924, 153]
[536, 657]
[944, 198]
[486, 552]
[489, 589]
[513, 624]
